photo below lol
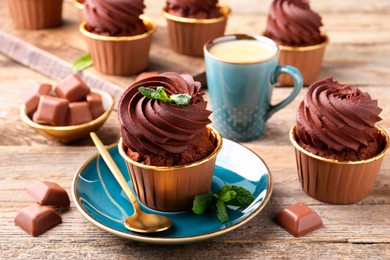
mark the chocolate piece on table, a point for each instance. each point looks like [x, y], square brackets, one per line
[72, 88]
[37, 219]
[79, 113]
[95, 104]
[146, 74]
[32, 102]
[298, 219]
[49, 193]
[52, 111]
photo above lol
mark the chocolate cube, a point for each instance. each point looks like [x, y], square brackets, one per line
[52, 111]
[49, 193]
[298, 219]
[36, 219]
[95, 104]
[79, 113]
[32, 102]
[72, 88]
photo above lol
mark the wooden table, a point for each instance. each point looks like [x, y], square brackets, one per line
[359, 53]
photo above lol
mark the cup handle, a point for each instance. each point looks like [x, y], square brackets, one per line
[298, 83]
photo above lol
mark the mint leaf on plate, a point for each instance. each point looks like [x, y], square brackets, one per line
[82, 63]
[201, 203]
[227, 195]
[224, 189]
[243, 197]
[221, 211]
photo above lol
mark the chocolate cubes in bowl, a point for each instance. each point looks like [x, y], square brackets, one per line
[67, 112]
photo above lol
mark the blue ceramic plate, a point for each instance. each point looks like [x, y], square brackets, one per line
[100, 199]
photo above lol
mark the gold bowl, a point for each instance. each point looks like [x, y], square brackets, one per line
[67, 134]
[338, 182]
[173, 188]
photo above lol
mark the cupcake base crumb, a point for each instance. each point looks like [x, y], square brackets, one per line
[195, 152]
[365, 152]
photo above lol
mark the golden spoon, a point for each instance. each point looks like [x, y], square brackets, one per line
[140, 221]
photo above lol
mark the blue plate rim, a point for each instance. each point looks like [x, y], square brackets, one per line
[161, 240]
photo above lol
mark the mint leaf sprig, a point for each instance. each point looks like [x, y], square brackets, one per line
[228, 195]
[82, 63]
[160, 94]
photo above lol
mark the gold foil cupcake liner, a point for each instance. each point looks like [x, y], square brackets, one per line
[122, 55]
[307, 60]
[173, 188]
[36, 14]
[79, 4]
[337, 182]
[188, 35]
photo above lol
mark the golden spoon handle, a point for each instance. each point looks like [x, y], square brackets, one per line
[114, 170]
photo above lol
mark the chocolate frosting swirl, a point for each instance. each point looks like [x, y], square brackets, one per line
[199, 9]
[337, 117]
[115, 17]
[293, 23]
[154, 127]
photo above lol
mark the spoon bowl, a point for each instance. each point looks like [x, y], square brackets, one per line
[147, 223]
[140, 221]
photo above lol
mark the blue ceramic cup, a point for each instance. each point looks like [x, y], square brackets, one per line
[240, 90]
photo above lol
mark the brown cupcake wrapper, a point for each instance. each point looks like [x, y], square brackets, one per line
[307, 60]
[337, 182]
[79, 4]
[187, 35]
[123, 55]
[36, 14]
[173, 188]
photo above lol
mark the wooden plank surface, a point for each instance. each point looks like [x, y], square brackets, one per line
[359, 230]
[63, 45]
[359, 53]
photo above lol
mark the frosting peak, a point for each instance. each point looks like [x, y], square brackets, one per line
[293, 23]
[115, 17]
[338, 118]
[154, 127]
[198, 9]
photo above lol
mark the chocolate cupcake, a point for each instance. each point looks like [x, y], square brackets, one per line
[118, 35]
[36, 14]
[169, 149]
[339, 148]
[296, 28]
[192, 23]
